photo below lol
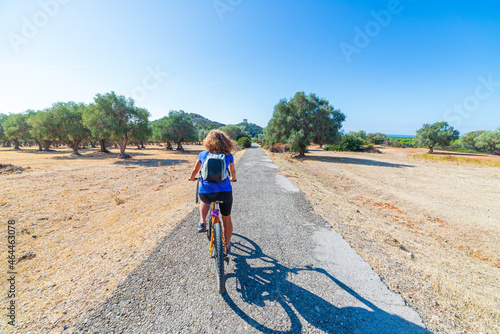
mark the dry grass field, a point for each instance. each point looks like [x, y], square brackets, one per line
[83, 223]
[431, 229]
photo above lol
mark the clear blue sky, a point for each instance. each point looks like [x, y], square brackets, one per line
[235, 59]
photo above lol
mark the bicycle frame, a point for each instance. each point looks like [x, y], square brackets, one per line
[214, 219]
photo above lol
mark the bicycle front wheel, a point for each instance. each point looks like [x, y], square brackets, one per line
[219, 259]
[210, 230]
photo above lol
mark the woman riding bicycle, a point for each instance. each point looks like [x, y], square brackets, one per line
[216, 142]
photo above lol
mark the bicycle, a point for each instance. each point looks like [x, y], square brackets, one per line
[218, 248]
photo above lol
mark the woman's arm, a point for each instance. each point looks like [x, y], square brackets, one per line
[233, 172]
[195, 171]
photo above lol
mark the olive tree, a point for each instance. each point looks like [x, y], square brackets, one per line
[234, 131]
[39, 124]
[298, 121]
[114, 117]
[489, 140]
[177, 127]
[327, 123]
[68, 118]
[3, 137]
[16, 127]
[202, 133]
[160, 132]
[469, 140]
[141, 133]
[180, 128]
[439, 133]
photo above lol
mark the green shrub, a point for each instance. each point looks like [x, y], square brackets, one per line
[244, 142]
[397, 144]
[370, 148]
[401, 142]
[329, 148]
[377, 138]
[348, 142]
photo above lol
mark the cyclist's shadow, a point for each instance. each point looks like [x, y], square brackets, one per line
[262, 282]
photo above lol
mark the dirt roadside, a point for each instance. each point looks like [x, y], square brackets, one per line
[430, 230]
[84, 223]
[288, 273]
[406, 151]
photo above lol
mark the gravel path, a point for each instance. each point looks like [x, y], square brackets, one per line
[289, 273]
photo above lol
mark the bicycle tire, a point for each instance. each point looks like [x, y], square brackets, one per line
[209, 230]
[219, 259]
[197, 190]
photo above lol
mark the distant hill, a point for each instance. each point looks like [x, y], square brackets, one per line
[253, 129]
[203, 122]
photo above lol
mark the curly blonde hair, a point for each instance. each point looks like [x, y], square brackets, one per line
[218, 142]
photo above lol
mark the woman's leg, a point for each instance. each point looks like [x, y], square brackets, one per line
[228, 228]
[204, 207]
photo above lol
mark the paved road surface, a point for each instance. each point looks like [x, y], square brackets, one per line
[289, 273]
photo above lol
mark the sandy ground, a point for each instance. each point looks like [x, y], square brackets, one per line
[84, 223]
[431, 230]
[457, 154]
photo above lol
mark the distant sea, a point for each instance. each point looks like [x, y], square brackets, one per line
[401, 136]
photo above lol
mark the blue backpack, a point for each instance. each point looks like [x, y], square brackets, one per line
[214, 168]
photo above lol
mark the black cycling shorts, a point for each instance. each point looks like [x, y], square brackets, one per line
[226, 197]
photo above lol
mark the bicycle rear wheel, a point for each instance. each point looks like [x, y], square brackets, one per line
[219, 258]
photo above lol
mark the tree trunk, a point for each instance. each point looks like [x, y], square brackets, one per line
[92, 144]
[16, 144]
[431, 150]
[179, 147]
[6, 143]
[302, 153]
[46, 144]
[74, 146]
[123, 146]
[40, 147]
[142, 145]
[169, 146]
[102, 142]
